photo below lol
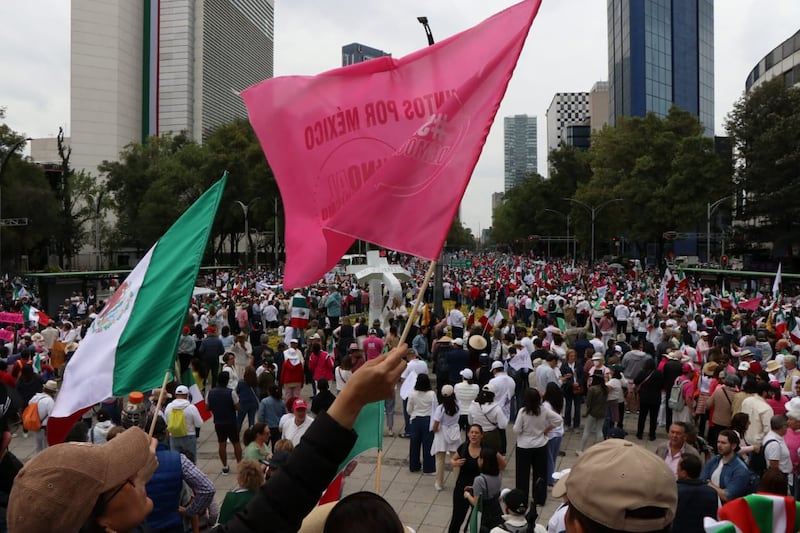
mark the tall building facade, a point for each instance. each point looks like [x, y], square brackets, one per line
[154, 66]
[598, 105]
[783, 60]
[566, 109]
[357, 52]
[660, 53]
[520, 147]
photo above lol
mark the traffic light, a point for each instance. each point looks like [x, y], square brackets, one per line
[723, 261]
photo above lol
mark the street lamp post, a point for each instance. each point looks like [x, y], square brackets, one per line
[709, 210]
[438, 272]
[246, 211]
[10, 151]
[565, 215]
[593, 210]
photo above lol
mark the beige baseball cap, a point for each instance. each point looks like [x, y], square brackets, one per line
[614, 479]
[67, 480]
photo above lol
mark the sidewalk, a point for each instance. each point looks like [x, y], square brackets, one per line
[412, 495]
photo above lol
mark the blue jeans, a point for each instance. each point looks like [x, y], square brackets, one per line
[421, 440]
[249, 413]
[388, 414]
[553, 446]
[406, 419]
[572, 411]
[186, 445]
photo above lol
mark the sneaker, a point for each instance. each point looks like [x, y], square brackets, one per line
[404, 436]
[429, 473]
[578, 453]
[226, 470]
[437, 487]
[390, 433]
[25, 434]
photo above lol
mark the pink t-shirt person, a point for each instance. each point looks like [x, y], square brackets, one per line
[373, 346]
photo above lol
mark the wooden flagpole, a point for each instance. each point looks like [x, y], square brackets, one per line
[158, 405]
[411, 318]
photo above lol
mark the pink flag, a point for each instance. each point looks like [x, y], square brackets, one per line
[698, 296]
[751, 304]
[383, 150]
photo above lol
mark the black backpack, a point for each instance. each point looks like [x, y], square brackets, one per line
[758, 461]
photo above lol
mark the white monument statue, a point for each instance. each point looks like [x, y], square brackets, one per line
[384, 282]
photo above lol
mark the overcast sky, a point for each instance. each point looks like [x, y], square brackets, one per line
[566, 51]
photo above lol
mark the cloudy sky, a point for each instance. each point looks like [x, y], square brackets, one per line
[566, 51]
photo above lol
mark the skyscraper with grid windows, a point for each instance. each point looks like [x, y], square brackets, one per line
[660, 53]
[520, 145]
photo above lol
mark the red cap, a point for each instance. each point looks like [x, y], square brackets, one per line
[186, 330]
[299, 404]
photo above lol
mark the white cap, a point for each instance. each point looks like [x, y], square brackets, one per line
[466, 373]
[459, 341]
[181, 389]
[447, 390]
[597, 357]
[294, 341]
[496, 365]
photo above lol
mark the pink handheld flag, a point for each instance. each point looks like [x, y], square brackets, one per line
[383, 150]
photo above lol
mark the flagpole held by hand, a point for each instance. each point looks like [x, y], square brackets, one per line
[421, 294]
[158, 405]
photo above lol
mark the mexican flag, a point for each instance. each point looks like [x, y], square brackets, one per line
[490, 319]
[794, 330]
[122, 352]
[300, 311]
[369, 427]
[31, 314]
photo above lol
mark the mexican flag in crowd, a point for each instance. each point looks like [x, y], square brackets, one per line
[31, 314]
[300, 312]
[122, 351]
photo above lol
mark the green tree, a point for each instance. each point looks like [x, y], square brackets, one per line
[662, 169]
[460, 236]
[765, 128]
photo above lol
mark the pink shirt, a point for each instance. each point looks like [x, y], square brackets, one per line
[792, 440]
[373, 346]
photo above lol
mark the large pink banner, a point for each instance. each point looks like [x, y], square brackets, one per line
[383, 150]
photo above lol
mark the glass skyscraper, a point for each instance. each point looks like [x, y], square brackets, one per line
[660, 53]
[520, 149]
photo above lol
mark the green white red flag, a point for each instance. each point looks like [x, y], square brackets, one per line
[300, 313]
[122, 351]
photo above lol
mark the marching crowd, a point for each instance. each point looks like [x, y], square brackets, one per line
[574, 349]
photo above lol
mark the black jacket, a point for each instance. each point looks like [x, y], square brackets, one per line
[649, 389]
[695, 500]
[579, 376]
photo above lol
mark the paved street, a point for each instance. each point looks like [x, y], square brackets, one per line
[413, 496]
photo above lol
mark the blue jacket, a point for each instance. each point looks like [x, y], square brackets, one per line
[164, 488]
[735, 476]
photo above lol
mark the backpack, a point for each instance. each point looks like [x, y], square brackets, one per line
[676, 401]
[176, 424]
[758, 461]
[30, 418]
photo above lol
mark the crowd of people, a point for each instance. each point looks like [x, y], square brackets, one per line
[526, 347]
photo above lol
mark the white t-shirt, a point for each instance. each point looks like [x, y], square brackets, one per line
[293, 432]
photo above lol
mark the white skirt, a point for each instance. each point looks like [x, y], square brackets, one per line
[447, 439]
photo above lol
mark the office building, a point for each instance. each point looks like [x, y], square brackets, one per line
[566, 109]
[154, 66]
[660, 53]
[598, 105]
[520, 149]
[783, 60]
[356, 53]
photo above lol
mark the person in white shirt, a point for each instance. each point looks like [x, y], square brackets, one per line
[186, 444]
[456, 321]
[621, 314]
[776, 452]
[45, 401]
[534, 422]
[421, 404]
[466, 391]
[504, 386]
[294, 427]
[415, 366]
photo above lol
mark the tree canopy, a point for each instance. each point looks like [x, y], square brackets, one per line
[765, 128]
[662, 169]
